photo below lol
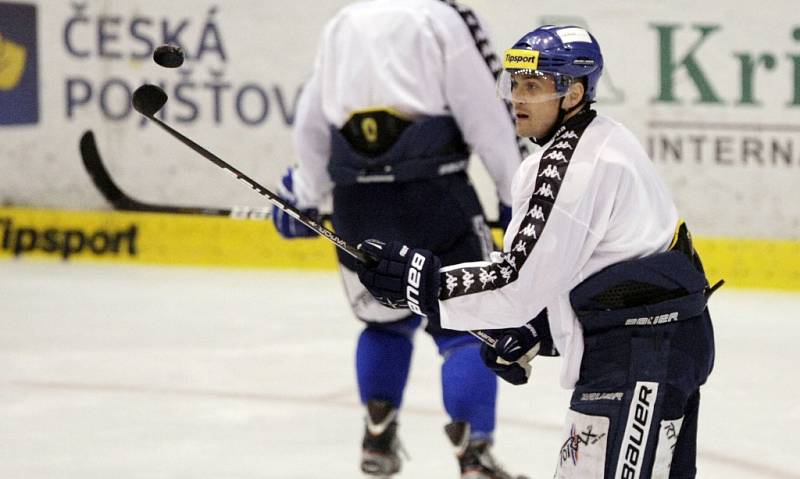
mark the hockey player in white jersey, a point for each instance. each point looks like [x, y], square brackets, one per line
[401, 92]
[596, 266]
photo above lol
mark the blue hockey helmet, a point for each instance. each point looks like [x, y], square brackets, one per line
[562, 53]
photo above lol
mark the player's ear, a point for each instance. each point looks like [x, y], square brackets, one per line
[574, 94]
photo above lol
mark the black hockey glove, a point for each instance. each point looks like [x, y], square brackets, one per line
[401, 277]
[515, 348]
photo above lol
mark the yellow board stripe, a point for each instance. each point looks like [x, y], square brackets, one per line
[516, 58]
[151, 238]
[751, 263]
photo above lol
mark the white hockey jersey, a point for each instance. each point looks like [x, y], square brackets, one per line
[610, 206]
[417, 57]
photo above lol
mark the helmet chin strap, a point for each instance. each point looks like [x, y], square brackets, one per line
[559, 121]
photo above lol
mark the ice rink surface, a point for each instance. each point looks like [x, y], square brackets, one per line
[151, 373]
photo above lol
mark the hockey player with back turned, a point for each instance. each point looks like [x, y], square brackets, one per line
[596, 264]
[401, 92]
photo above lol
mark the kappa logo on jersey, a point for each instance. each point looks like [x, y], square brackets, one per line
[512, 260]
[562, 145]
[19, 82]
[637, 430]
[570, 135]
[555, 155]
[467, 279]
[414, 279]
[546, 191]
[451, 283]
[537, 213]
[550, 172]
[487, 276]
[529, 231]
[506, 272]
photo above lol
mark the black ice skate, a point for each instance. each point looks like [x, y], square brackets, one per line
[380, 448]
[474, 457]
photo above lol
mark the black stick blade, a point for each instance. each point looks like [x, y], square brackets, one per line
[98, 173]
[148, 99]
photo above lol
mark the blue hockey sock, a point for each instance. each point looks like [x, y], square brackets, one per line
[469, 388]
[383, 359]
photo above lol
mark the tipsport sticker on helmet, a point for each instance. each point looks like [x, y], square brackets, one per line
[517, 58]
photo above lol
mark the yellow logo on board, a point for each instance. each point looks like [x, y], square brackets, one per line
[518, 58]
[12, 63]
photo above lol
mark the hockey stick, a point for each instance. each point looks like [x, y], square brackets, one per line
[120, 200]
[149, 99]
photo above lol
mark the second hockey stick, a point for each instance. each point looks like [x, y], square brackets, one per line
[120, 200]
[149, 99]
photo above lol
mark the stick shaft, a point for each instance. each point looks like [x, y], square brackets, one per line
[271, 197]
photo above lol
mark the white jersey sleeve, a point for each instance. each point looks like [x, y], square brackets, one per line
[608, 205]
[417, 57]
[311, 138]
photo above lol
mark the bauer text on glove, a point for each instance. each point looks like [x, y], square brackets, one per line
[401, 277]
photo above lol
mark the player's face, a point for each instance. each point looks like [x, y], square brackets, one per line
[534, 118]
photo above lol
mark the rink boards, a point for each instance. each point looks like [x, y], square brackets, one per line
[170, 239]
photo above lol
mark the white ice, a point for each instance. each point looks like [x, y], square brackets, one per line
[150, 372]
